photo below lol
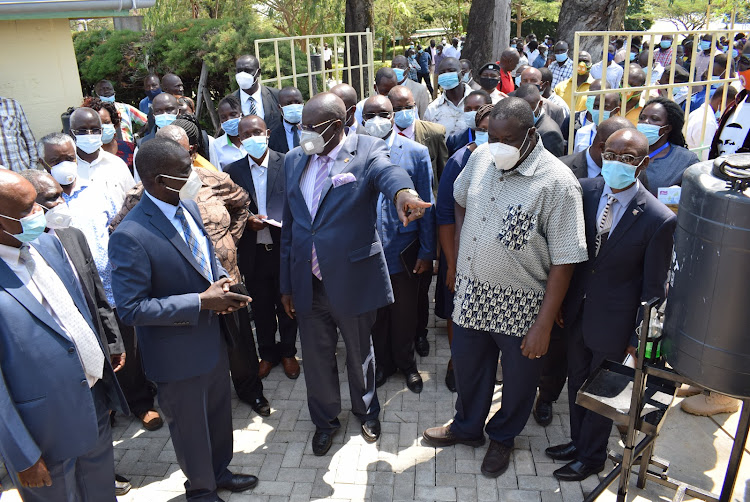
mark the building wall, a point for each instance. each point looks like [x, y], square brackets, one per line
[39, 70]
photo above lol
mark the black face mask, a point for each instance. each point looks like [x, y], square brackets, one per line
[488, 83]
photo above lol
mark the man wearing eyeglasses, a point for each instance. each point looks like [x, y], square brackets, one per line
[256, 98]
[629, 240]
[333, 271]
[95, 164]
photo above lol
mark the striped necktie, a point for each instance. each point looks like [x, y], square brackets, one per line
[320, 178]
[295, 136]
[192, 241]
[251, 106]
[604, 225]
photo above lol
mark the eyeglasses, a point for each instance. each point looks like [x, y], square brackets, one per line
[402, 108]
[385, 115]
[626, 158]
[84, 132]
[304, 127]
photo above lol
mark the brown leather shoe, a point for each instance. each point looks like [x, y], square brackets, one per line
[151, 420]
[264, 368]
[291, 367]
[442, 436]
[496, 459]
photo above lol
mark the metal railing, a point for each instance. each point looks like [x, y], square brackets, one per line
[652, 38]
[361, 41]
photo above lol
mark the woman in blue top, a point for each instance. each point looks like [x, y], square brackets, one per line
[446, 222]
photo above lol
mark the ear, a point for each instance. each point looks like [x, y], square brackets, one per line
[644, 165]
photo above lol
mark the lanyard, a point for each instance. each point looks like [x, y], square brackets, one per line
[658, 150]
[471, 136]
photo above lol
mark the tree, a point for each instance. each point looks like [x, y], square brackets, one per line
[165, 12]
[686, 15]
[585, 15]
[359, 17]
[488, 31]
[303, 17]
[638, 17]
[524, 10]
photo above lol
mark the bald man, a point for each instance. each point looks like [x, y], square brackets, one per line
[172, 84]
[57, 384]
[629, 252]
[256, 98]
[557, 113]
[348, 95]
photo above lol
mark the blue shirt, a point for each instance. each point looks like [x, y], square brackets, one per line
[445, 207]
[424, 62]
[593, 169]
[145, 105]
[289, 133]
[619, 206]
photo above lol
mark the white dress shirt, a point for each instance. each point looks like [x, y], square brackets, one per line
[408, 132]
[614, 74]
[618, 207]
[10, 255]
[307, 181]
[110, 172]
[222, 152]
[260, 182]
[694, 126]
[593, 169]
[258, 97]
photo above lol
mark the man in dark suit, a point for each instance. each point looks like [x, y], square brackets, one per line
[533, 76]
[329, 250]
[57, 384]
[629, 239]
[585, 164]
[549, 131]
[349, 96]
[286, 135]
[261, 174]
[168, 284]
[256, 98]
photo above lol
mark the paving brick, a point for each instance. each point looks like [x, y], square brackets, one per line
[537, 483]
[524, 462]
[520, 496]
[438, 493]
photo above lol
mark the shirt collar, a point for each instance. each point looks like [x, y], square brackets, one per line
[391, 138]
[264, 162]
[256, 95]
[94, 162]
[590, 161]
[288, 126]
[168, 209]
[10, 254]
[408, 132]
[443, 99]
[529, 165]
[623, 198]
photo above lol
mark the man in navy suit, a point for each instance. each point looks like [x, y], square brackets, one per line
[57, 384]
[261, 174]
[168, 284]
[256, 98]
[333, 272]
[629, 238]
[286, 135]
[395, 323]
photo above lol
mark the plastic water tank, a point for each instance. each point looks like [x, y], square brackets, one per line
[707, 318]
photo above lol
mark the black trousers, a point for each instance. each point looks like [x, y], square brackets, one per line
[426, 77]
[394, 325]
[423, 302]
[138, 391]
[268, 311]
[243, 361]
[555, 370]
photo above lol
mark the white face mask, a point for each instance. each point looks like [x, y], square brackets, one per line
[58, 217]
[245, 80]
[314, 143]
[65, 172]
[506, 156]
[190, 189]
[89, 143]
[378, 127]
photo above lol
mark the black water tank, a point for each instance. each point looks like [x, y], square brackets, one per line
[707, 319]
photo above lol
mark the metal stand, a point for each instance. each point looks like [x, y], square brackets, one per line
[643, 410]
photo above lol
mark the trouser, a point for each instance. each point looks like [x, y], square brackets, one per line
[198, 411]
[318, 336]
[394, 325]
[243, 361]
[555, 366]
[139, 392]
[589, 431]
[423, 302]
[88, 478]
[475, 356]
[268, 311]
[426, 78]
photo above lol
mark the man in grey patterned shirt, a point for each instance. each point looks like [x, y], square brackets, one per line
[520, 217]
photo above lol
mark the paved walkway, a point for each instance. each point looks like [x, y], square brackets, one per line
[398, 467]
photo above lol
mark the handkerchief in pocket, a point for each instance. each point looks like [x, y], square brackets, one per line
[342, 179]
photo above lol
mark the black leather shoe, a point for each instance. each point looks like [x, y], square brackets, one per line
[261, 407]
[496, 459]
[450, 379]
[577, 471]
[414, 382]
[543, 412]
[422, 346]
[321, 442]
[381, 376]
[239, 483]
[566, 451]
[122, 485]
[371, 430]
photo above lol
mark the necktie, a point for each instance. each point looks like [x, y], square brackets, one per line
[192, 242]
[58, 298]
[604, 225]
[320, 178]
[295, 136]
[251, 106]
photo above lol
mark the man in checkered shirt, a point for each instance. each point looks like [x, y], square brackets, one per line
[562, 68]
[17, 145]
[520, 217]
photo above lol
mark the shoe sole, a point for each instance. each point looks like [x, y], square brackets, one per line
[437, 443]
[709, 413]
[593, 473]
[119, 492]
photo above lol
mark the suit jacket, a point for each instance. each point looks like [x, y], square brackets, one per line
[457, 141]
[346, 241]
[631, 267]
[577, 163]
[241, 174]
[77, 248]
[555, 112]
[432, 136]
[415, 160]
[46, 406]
[551, 136]
[277, 140]
[156, 282]
[271, 110]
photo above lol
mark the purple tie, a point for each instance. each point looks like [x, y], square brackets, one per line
[320, 178]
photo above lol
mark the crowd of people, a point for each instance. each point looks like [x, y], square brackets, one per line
[139, 252]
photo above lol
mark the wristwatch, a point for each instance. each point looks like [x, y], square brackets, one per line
[407, 190]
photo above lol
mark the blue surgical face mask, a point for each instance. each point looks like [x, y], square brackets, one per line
[292, 113]
[590, 104]
[449, 80]
[467, 77]
[705, 45]
[399, 74]
[518, 80]
[632, 56]
[618, 175]
[595, 115]
[164, 119]
[108, 99]
[153, 93]
[651, 132]
[735, 53]
[33, 226]
[231, 126]
[255, 146]
[561, 58]
[108, 133]
[405, 118]
[481, 137]
[665, 44]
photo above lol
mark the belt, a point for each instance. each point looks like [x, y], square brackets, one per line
[267, 247]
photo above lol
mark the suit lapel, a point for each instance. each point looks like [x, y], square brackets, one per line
[342, 162]
[73, 250]
[397, 149]
[631, 214]
[580, 166]
[299, 168]
[272, 173]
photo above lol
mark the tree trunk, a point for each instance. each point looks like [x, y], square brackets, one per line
[519, 19]
[488, 31]
[585, 15]
[359, 17]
